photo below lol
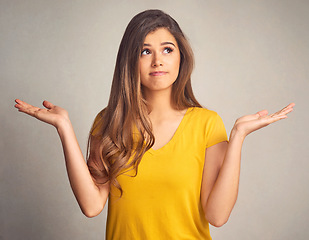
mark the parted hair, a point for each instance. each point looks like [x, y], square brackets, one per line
[122, 132]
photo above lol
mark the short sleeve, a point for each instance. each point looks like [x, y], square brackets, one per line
[97, 124]
[215, 131]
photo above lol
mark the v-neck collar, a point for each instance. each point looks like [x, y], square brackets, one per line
[175, 136]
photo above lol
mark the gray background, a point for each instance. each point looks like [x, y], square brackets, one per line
[250, 55]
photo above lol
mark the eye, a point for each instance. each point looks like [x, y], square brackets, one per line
[168, 50]
[145, 51]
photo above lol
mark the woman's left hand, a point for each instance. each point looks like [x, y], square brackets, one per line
[250, 123]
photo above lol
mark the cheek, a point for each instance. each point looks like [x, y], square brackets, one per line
[177, 66]
[177, 61]
[140, 70]
[142, 73]
[142, 66]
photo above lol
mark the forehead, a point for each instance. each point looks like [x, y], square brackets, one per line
[160, 35]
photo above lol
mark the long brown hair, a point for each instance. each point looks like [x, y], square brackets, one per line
[122, 132]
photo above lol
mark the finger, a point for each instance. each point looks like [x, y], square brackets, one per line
[282, 114]
[18, 100]
[253, 116]
[290, 106]
[21, 103]
[285, 110]
[48, 104]
[25, 107]
[262, 113]
[275, 118]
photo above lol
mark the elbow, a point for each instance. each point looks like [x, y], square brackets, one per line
[218, 222]
[216, 215]
[91, 212]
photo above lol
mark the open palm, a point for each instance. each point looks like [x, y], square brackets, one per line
[51, 114]
[250, 123]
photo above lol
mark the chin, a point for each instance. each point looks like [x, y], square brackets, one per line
[157, 88]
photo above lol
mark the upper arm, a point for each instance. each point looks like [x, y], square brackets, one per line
[214, 157]
[94, 161]
[97, 171]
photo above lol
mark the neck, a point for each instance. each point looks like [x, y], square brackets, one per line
[160, 103]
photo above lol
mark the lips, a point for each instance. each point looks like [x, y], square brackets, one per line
[157, 73]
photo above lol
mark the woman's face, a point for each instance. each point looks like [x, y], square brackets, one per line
[159, 61]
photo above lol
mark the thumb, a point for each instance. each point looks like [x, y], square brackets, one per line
[263, 113]
[48, 104]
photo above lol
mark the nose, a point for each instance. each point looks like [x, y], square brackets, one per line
[156, 60]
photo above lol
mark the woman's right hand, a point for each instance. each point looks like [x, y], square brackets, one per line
[51, 114]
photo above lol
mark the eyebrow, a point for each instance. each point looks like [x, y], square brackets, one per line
[163, 43]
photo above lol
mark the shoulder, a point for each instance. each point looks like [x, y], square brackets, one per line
[202, 113]
[97, 123]
[206, 124]
[204, 118]
[99, 116]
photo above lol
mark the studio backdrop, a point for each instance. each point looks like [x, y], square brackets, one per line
[249, 56]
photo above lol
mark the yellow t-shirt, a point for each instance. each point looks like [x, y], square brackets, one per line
[163, 200]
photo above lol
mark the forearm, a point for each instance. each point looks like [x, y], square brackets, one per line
[221, 188]
[88, 195]
[223, 196]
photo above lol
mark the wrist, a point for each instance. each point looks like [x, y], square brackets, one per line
[236, 134]
[63, 124]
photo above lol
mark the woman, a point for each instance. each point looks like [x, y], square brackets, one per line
[163, 161]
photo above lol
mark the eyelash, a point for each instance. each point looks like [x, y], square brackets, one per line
[166, 48]
[144, 50]
[169, 49]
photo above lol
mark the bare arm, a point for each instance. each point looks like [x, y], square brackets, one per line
[222, 166]
[90, 197]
